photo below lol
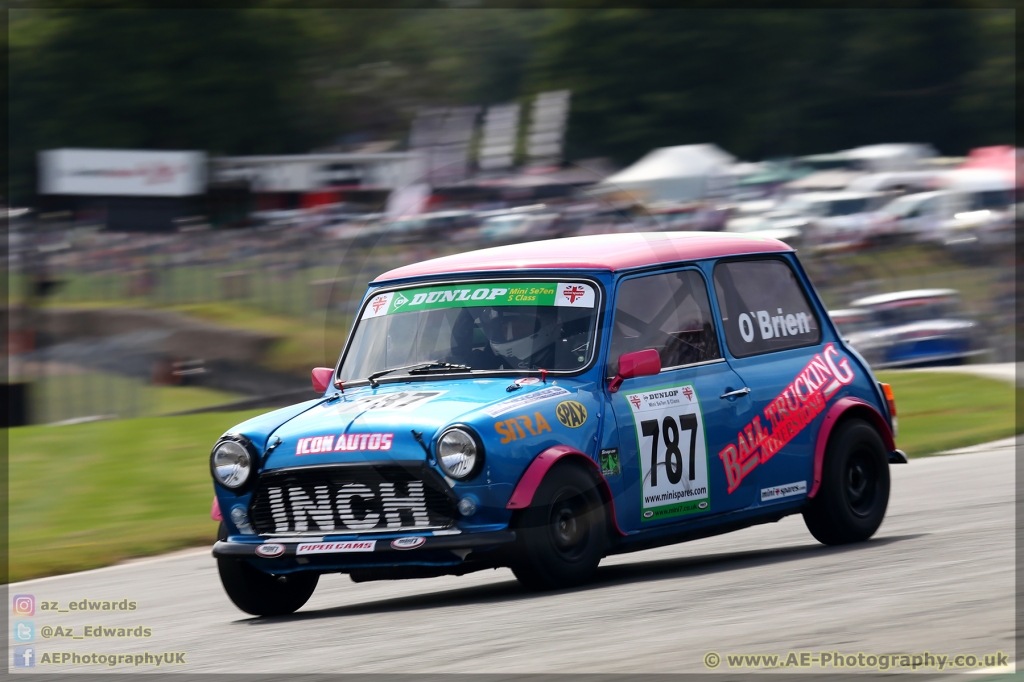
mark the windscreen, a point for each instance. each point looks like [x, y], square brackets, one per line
[487, 326]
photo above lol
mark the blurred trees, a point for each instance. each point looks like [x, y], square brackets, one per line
[221, 80]
[277, 79]
[761, 83]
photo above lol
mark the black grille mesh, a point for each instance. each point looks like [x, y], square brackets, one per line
[325, 500]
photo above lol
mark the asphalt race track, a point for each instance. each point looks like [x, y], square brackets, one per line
[938, 577]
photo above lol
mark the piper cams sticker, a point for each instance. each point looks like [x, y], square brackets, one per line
[335, 547]
[673, 452]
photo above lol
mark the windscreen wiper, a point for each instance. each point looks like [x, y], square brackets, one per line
[419, 368]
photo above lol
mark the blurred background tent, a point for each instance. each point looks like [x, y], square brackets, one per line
[683, 173]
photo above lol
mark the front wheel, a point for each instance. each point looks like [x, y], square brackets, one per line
[561, 536]
[263, 594]
[854, 491]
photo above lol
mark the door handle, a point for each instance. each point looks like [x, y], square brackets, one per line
[737, 392]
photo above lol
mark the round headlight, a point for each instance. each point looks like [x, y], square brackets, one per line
[459, 453]
[231, 464]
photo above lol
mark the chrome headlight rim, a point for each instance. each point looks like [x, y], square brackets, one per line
[478, 463]
[249, 449]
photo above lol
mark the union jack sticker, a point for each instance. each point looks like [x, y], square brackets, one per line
[574, 295]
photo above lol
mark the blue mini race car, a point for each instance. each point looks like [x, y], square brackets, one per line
[543, 405]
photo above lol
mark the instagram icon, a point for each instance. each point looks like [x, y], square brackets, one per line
[24, 605]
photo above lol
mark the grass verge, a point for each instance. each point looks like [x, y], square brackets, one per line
[939, 411]
[90, 495]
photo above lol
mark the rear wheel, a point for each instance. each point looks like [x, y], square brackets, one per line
[263, 594]
[854, 492]
[561, 536]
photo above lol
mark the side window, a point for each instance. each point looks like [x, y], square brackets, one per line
[668, 312]
[764, 308]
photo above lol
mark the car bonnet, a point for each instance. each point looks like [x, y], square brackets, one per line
[367, 424]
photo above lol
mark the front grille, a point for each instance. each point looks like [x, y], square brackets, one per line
[364, 498]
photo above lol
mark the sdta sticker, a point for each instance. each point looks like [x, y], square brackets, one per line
[521, 427]
[672, 449]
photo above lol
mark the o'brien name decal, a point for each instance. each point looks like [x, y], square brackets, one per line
[789, 413]
[346, 442]
[561, 294]
[771, 326]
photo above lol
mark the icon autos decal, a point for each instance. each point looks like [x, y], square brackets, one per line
[346, 442]
[787, 415]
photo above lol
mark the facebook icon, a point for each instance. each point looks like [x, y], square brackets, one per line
[24, 657]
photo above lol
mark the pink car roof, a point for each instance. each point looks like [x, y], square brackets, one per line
[594, 252]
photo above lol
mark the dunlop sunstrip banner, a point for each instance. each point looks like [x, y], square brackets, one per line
[561, 294]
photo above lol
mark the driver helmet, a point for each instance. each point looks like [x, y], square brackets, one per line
[521, 336]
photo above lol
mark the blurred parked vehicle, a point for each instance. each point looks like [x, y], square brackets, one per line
[915, 328]
[815, 216]
[687, 216]
[520, 226]
[943, 215]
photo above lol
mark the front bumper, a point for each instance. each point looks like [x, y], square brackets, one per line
[434, 550]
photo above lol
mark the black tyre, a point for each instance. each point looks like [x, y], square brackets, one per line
[854, 492]
[562, 536]
[263, 594]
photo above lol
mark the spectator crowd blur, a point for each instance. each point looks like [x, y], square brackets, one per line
[437, 132]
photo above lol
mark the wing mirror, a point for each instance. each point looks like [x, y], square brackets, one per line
[322, 378]
[640, 363]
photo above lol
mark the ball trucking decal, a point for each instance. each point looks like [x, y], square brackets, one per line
[787, 415]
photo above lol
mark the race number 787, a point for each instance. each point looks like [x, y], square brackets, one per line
[669, 432]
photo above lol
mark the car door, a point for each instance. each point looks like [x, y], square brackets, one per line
[774, 342]
[672, 425]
